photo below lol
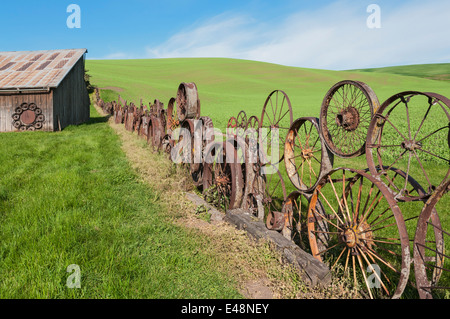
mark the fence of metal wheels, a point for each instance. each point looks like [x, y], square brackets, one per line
[378, 225]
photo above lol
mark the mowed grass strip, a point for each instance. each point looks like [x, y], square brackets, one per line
[72, 198]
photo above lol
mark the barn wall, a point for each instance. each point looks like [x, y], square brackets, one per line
[8, 103]
[71, 104]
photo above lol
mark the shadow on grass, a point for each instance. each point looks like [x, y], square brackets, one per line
[98, 119]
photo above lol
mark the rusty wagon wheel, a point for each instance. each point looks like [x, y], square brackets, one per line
[241, 120]
[366, 231]
[188, 102]
[345, 116]
[222, 175]
[429, 248]
[411, 131]
[274, 124]
[306, 156]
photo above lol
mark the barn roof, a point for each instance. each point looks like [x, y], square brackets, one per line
[36, 69]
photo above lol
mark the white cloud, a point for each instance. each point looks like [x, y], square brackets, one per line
[335, 37]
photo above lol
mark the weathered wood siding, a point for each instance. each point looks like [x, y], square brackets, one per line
[71, 103]
[8, 104]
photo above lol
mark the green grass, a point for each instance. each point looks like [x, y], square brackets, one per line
[72, 198]
[227, 86]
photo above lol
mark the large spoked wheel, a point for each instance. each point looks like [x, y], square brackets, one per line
[366, 232]
[306, 156]
[274, 124]
[222, 176]
[345, 117]
[429, 249]
[411, 132]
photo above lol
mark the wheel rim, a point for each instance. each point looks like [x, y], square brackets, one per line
[276, 114]
[345, 116]
[222, 173]
[305, 155]
[395, 139]
[429, 248]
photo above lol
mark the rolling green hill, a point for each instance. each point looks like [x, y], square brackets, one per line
[438, 71]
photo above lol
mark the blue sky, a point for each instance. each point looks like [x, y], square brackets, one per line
[315, 34]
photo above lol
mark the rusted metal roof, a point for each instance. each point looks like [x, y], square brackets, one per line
[36, 69]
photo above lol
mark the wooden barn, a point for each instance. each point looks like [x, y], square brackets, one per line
[42, 90]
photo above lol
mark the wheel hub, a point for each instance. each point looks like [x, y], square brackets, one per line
[348, 119]
[360, 235]
[307, 154]
[411, 145]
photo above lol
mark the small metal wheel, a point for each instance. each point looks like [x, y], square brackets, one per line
[366, 232]
[274, 124]
[411, 132]
[430, 258]
[188, 102]
[222, 176]
[241, 120]
[345, 117]
[306, 156]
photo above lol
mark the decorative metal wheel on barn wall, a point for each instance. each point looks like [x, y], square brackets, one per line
[28, 117]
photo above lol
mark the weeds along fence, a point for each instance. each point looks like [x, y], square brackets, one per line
[379, 224]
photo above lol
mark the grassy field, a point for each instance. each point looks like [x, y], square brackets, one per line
[73, 198]
[227, 86]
